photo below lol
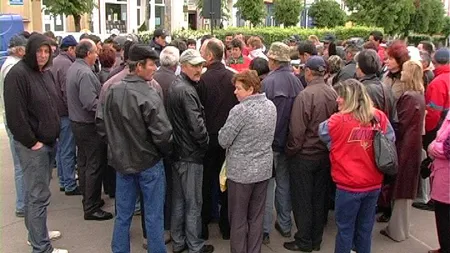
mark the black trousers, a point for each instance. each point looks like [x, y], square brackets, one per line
[442, 215]
[309, 181]
[213, 161]
[91, 162]
[109, 181]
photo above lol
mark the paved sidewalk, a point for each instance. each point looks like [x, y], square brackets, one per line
[79, 236]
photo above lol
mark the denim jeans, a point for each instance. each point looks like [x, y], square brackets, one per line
[355, 217]
[187, 200]
[282, 192]
[18, 174]
[268, 211]
[65, 156]
[152, 183]
[37, 173]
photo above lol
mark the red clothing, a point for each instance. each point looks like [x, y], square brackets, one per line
[240, 64]
[352, 157]
[245, 51]
[381, 54]
[437, 98]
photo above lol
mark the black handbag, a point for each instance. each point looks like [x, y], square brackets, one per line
[385, 152]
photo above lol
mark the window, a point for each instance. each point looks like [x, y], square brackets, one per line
[138, 18]
[138, 2]
[159, 1]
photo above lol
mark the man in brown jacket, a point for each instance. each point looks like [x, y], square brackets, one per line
[310, 164]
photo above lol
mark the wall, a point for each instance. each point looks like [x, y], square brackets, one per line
[30, 12]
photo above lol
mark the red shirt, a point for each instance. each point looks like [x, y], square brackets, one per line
[352, 157]
[241, 64]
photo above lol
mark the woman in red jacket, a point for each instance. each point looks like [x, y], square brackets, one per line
[349, 135]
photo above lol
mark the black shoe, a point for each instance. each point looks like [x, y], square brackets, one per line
[266, 239]
[99, 215]
[75, 192]
[205, 232]
[207, 249]
[284, 234]
[426, 207]
[181, 250]
[317, 248]
[62, 189]
[101, 203]
[292, 246]
[383, 218]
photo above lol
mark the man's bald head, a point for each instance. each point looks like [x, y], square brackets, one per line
[215, 47]
[84, 47]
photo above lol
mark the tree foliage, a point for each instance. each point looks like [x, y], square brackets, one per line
[428, 17]
[437, 18]
[287, 12]
[251, 10]
[327, 13]
[76, 8]
[393, 16]
[446, 27]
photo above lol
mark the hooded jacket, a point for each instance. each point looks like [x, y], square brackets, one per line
[30, 95]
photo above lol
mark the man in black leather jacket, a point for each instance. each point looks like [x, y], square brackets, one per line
[191, 139]
[139, 135]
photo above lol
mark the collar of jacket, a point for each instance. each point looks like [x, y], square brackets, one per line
[83, 62]
[216, 65]
[65, 54]
[394, 76]
[286, 68]
[133, 78]
[442, 70]
[185, 77]
[371, 77]
[166, 69]
[350, 62]
[239, 60]
[257, 96]
[315, 81]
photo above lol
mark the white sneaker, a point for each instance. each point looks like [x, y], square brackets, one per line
[60, 251]
[52, 235]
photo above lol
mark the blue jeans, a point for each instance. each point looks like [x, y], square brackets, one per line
[152, 184]
[37, 171]
[18, 174]
[66, 156]
[268, 211]
[355, 217]
[282, 192]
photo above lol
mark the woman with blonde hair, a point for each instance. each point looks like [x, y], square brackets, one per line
[349, 136]
[408, 132]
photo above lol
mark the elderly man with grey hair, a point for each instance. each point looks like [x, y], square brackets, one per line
[165, 75]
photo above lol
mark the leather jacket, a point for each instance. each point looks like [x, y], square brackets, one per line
[186, 114]
[374, 88]
[135, 124]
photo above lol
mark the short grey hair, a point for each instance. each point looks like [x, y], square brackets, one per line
[170, 56]
[14, 50]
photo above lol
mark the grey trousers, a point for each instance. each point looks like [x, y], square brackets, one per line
[399, 224]
[186, 224]
[36, 176]
[246, 204]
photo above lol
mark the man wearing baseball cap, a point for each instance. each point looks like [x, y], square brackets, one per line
[310, 164]
[158, 42]
[16, 50]
[191, 139]
[66, 148]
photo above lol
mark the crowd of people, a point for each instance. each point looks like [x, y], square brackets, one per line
[292, 125]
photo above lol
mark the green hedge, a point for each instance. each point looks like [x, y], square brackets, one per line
[414, 39]
[272, 34]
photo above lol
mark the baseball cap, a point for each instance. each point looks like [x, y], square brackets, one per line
[442, 56]
[191, 57]
[69, 41]
[329, 38]
[17, 41]
[142, 52]
[159, 33]
[316, 63]
[120, 40]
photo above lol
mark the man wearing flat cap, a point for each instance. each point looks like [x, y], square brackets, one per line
[66, 148]
[281, 87]
[134, 117]
[310, 164]
[191, 139]
[16, 50]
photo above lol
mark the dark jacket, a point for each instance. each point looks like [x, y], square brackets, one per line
[408, 132]
[428, 76]
[61, 64]
[135, 124]
[312, 106]
[116, 70]
[155, 46]
[282, 87]
[30, 94]
[216, 92]
[103, 75]
[187, 117]
[374, 88]
[347, 72]
[83, 91]
[165, 77]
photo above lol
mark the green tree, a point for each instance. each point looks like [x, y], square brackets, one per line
[75, 8]
[287, 12]
[446, 27]
[438, 16]
[327, 13]
[420, 20]
[393, 16]
[251, 10]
